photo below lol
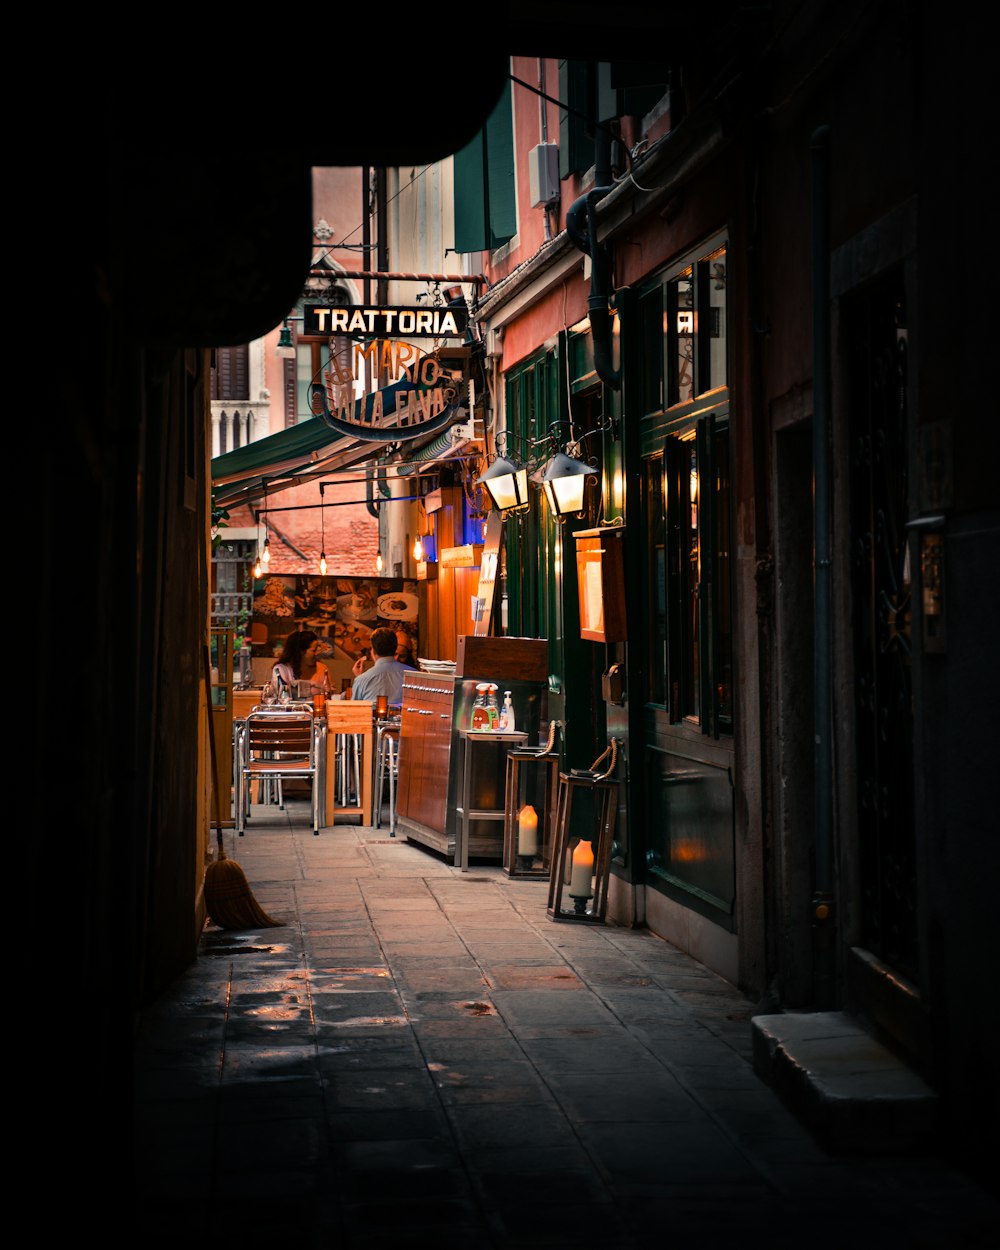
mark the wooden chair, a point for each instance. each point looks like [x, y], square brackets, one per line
[282, 745]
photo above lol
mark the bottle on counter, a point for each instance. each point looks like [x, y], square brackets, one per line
[507, 724]
[480, 714]
[492, 709]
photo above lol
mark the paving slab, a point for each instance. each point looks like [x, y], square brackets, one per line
[422, 1053]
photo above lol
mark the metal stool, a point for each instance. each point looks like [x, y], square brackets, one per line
[386, 770]
[348, 766]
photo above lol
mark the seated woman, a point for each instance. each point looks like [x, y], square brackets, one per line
[299, 670]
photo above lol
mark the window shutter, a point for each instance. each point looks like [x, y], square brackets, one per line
[485, 211]
[470, 197]
[500, 170]
[231, 376]
[288, 382]
[576, 148]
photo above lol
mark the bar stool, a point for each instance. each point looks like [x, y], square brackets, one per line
[348, 765]
[386, 771]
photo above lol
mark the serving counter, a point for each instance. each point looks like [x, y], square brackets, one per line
[440, 803]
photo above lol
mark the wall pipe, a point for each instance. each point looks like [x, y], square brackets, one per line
[822, 906]
[581, 226]
[477, 279]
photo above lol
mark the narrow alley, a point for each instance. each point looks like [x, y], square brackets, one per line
[421, 1053]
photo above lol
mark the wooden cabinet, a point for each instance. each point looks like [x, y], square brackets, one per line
[425, 759]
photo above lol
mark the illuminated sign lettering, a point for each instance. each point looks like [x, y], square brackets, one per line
[421, 401]
[324, 320]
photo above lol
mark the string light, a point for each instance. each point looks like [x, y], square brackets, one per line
[265, 555]
[322, 521]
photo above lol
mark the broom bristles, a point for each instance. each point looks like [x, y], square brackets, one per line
[230, 901]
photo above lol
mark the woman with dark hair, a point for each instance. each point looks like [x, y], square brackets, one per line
[299, 670]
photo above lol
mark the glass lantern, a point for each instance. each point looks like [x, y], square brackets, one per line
[530, 809]
[586, 811]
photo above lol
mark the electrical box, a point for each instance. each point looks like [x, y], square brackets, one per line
[543, 173]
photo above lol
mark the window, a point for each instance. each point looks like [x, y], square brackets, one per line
[688, 497]
[231, 373]
[696, 349]
[485, 212]
[311, 363]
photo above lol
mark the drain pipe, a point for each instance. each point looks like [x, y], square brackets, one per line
[581, 226]
[822, 906]
[371, 475]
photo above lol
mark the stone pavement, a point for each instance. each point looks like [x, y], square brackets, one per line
[423, 1054]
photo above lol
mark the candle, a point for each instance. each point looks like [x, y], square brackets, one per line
[583, 864]
[527, 830]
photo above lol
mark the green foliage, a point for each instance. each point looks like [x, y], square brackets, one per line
[220, 519]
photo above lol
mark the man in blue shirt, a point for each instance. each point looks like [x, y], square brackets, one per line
[385, 676]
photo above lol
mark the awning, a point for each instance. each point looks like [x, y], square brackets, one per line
[302, 452]
[240, 476]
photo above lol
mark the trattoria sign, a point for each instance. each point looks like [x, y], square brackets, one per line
[323, 320]
[422, 401]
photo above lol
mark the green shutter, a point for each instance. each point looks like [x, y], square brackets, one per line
[576, 147]
[470, 197]
[500, 170]
[485, 212]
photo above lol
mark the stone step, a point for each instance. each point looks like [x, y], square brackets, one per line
[854, 1094]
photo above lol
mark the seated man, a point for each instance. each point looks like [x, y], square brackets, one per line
[385, 676]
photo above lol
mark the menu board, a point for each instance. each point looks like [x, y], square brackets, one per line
[489, 567]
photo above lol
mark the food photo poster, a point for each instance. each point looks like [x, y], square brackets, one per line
[343, 611]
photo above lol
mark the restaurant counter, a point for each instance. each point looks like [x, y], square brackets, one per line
[433, 792]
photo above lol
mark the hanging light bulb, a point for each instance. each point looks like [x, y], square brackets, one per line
[265, 555]
[322, 522]
[418, 549]
[379, 564]
[257, 568]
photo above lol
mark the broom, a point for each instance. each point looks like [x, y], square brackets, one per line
[228, 897]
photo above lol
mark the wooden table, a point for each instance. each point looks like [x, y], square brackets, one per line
[350, 716]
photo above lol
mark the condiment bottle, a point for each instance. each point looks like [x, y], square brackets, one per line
[480, 714]
[492, 711]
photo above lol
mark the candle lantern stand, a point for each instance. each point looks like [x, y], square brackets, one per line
[586, 811]
[530, 808]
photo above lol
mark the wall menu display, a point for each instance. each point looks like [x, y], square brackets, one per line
[489, 567]
[600, 571]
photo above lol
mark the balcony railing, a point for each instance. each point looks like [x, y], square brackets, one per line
[227, 606]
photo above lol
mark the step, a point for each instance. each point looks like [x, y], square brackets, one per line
[854, 1094]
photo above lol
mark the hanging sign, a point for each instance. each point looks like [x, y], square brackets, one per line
[423, 400]
[324, 320]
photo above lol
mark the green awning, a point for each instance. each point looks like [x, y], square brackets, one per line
[302, 451]
[240, 475]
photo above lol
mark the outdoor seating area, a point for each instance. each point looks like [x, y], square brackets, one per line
[276, 745]
[345, 751]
